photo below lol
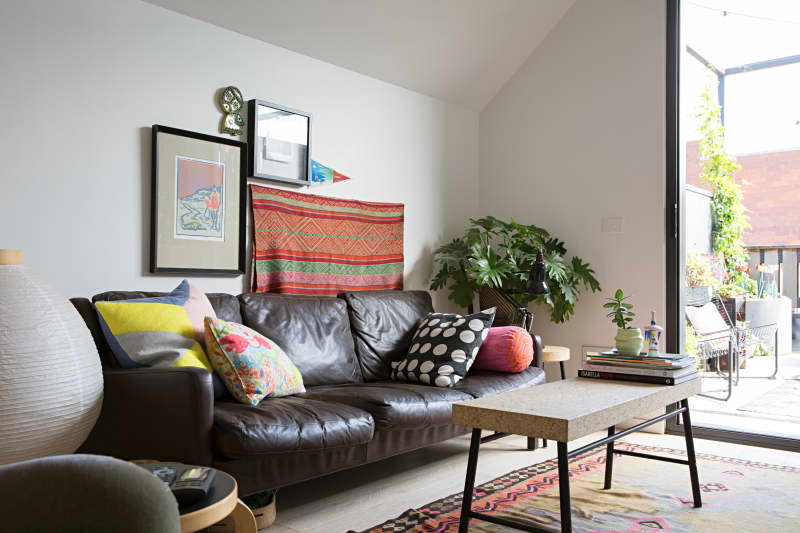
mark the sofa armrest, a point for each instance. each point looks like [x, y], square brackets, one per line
[537, 351]
[155, 413]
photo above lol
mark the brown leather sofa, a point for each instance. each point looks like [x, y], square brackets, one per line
[351, 413]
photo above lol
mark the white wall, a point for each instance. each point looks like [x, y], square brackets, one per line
[83, 82]
[578, 134]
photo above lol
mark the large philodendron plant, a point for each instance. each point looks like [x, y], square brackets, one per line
[498, 254]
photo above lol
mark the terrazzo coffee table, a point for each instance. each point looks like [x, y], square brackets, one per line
[567, 410]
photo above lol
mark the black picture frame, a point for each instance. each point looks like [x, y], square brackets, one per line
[252, 124]
[241, 216]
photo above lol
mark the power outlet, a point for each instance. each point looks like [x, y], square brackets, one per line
[611, 225]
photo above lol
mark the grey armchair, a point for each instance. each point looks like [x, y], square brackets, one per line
[84, 494]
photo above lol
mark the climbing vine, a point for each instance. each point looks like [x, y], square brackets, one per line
[730, 218]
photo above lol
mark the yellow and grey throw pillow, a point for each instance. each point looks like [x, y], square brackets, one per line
[154, 332]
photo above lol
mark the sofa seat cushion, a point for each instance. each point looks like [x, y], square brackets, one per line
[479, 383]
[289, 424]
[395, 405]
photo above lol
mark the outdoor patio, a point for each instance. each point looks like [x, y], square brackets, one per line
[758, 404]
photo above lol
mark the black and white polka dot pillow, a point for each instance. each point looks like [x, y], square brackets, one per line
[443, 348]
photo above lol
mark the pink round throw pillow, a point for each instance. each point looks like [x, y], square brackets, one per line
[506, 349]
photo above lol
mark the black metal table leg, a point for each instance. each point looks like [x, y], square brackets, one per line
[469, 481]
[563, 488]
[687, 432]
[532, 443]
[609, 459]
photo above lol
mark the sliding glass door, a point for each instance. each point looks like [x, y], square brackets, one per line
[733, 244]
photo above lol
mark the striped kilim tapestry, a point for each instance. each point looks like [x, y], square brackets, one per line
[308, 244]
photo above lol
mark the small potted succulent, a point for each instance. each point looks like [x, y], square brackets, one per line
[629, 340]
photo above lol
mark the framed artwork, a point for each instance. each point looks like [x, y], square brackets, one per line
[280, 143]
[198, 203]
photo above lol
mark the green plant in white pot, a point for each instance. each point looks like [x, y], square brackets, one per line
[629, 340]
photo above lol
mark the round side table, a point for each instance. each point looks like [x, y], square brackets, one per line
[552, 354]
[222, 501]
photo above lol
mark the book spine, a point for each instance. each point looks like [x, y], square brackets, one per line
[656, 380]
[653, 362]
[640, 371]
[641, 364]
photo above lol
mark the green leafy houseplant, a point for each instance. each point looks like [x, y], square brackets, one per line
[629, 340]
[498, 254]
[621, 311]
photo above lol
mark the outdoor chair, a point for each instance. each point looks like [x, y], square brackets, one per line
[724, 345]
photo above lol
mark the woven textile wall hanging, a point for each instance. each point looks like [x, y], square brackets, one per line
[308, 244]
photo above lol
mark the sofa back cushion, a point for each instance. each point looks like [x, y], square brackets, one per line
[383, 323]
[314, 331]
[158, 332]
[226, 306]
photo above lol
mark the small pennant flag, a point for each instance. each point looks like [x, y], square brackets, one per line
[322, 174]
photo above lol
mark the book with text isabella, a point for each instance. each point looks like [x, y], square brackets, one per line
[656, 380]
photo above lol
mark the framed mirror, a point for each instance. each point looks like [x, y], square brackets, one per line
[280, 143]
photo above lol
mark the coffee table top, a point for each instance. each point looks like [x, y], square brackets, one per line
[569, 409]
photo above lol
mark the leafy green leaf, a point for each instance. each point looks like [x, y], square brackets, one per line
[488, 268]
[439, 281]
[583, 273]
[462, 291]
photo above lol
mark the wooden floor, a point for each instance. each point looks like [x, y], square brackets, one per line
[366, 496]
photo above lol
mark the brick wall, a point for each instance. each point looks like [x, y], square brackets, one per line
[771, 186]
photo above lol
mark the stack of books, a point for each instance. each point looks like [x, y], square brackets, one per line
[664, 369]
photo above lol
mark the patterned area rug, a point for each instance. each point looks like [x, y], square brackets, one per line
[647, 496]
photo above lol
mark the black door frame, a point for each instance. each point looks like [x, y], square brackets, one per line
[676, 247]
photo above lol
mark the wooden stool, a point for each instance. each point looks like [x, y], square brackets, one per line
[552, 354]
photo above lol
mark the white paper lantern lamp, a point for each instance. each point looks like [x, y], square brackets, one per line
[51, 382]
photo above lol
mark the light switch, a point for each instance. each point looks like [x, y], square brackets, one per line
[611, 225]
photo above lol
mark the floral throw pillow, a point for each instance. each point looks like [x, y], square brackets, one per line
[443, 348]
[251, 366]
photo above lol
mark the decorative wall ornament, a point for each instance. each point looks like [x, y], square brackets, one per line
[232, 102]
[320, 174]
[311, 244]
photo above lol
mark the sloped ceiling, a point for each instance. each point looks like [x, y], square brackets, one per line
[460, 51]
